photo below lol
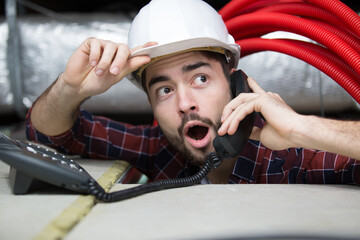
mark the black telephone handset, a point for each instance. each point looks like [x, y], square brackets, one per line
[231, 145]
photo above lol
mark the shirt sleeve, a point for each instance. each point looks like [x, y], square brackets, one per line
[329, 168]
[258, 164]
[102, 138]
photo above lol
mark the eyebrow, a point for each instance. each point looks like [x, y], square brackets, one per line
[157, 79]
[191, 67]
[185, 69]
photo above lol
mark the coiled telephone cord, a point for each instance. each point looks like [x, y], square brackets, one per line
[212, 161]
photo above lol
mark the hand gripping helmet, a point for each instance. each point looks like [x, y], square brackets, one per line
[179, 26]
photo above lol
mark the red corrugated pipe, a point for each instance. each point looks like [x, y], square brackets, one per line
[304, 10]
[341, 59]
[300, 26]
[330, 64]
[342, 11]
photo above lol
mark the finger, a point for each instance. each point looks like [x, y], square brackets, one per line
[225, 126]
[229, 108]
[94, 46]
[109, 51]
[231, 124]
[239, 115]
[136, 62]
[131, 65]
[120, 59]
[254, 86]
[148, 44]
[127, 65]
[233, 104]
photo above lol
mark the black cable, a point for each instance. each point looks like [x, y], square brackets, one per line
[212, 161]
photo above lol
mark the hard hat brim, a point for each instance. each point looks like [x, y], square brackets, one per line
[179, 46]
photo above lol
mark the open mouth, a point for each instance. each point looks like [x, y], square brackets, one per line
[197, 132]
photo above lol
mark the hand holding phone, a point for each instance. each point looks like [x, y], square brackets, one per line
[231, 145]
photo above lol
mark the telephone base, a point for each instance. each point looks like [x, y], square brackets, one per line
[20, 182]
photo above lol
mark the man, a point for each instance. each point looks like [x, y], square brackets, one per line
[181, 55]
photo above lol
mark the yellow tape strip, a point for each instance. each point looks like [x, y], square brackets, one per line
[60, 226]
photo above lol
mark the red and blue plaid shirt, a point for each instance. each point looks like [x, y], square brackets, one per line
[146, 148]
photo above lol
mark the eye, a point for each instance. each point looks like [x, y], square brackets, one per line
[199, 80]
[163, 91]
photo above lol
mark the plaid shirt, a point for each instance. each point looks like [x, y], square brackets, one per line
[148, 150]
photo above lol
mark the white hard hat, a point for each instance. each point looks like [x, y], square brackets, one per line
[178, 26]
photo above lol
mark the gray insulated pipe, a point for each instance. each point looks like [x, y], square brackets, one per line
[45, 45]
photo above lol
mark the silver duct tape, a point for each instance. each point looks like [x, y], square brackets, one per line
[46, 45]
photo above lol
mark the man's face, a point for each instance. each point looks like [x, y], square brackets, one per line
[188, 93]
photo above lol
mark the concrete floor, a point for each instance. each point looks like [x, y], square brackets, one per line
[197, 212]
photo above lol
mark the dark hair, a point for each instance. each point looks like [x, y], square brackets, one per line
[221, 58]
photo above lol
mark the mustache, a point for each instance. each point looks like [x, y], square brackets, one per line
[195, 116]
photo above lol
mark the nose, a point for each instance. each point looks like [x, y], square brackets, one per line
[186, 101]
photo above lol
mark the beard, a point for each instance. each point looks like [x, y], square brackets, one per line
[196, 157]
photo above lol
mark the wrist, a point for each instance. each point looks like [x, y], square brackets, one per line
[55, 111]
[304, 133]
[66, 93]
[316, 134]
[330, 135]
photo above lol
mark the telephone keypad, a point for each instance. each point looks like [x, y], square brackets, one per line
[54, 156]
